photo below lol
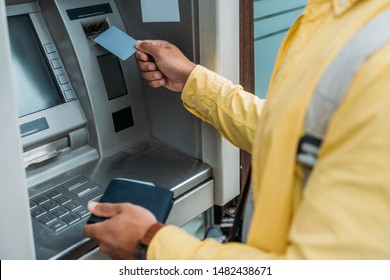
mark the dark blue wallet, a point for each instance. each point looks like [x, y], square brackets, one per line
[157, 200]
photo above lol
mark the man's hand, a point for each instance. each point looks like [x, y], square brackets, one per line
[163, 64]
[118, 235]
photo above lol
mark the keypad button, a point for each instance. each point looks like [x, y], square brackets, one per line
[40, 199]
[75, 182]
[84, 189]
[37, 212]
[60, 212]
[69, 94]
[56, 63]
[47, 218]
[71, 219]
[53, 194]
[95, 195]
[63, 199]
[32, 204]
[72, 206]
[83, 212]
[58, 225]
[63, 79]
[50, 48]
[50, 205]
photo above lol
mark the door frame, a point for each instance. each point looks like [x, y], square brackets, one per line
[247, 61]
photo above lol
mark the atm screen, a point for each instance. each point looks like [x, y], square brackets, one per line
[36, 88]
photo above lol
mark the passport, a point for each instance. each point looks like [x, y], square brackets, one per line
[156, 199]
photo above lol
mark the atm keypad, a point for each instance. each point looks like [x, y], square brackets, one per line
[65, 205]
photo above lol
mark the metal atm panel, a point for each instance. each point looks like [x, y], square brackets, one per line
[132, 132]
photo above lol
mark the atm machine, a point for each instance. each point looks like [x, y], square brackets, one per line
[86, 117]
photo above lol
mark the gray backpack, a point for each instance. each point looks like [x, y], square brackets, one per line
[334, 83]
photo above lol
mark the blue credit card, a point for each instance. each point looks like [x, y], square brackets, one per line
[157, 200]
[117, 42]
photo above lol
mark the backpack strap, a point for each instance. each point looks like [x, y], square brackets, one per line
[334, 84]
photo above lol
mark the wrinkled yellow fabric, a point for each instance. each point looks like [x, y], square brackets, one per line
[344, 210]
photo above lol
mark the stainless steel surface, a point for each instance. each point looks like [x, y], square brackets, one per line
[169, 120]
[149, 160]
[17, 9]
[192, 204]
[153, 161]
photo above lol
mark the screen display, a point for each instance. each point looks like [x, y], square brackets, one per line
[36, 88]
[112, 75]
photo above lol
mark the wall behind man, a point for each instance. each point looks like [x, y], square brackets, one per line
[272, 19]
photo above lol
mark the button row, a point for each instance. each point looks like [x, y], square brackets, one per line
[56, 64]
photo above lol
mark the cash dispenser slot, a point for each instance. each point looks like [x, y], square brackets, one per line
[46, 152]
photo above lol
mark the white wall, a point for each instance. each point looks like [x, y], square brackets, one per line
[16, 238]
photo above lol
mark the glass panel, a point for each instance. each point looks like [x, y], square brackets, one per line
[197, 226]
[272, 19]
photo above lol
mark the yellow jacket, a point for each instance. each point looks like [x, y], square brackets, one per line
[344, 210]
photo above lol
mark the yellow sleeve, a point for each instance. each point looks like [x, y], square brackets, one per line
[227, 107]
[172, 243]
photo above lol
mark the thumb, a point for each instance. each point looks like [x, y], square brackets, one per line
[105, 210]
[151, 47]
